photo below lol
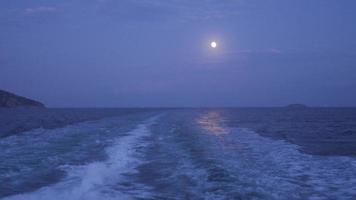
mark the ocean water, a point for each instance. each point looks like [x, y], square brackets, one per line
[256, 153]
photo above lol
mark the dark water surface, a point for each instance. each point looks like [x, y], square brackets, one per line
[247, 153]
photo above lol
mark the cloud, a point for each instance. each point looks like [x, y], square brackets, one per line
[273, 51]
[261, 51]
[183, 10]
[198, 10]
[40, 9]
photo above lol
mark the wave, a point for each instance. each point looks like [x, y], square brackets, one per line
[100, 180]
[275, 169]
[187, 157]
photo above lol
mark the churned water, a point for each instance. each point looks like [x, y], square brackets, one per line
[186, 154]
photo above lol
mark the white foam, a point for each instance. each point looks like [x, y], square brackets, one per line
[278, 168]
[98, 180]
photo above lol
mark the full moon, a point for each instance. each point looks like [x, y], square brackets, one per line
[213, 44]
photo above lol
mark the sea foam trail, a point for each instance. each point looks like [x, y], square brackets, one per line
[278, 170]
[100, 180]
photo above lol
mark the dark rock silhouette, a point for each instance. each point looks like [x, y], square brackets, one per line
[10, 100]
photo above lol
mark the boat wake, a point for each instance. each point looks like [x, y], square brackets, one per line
[101, 180]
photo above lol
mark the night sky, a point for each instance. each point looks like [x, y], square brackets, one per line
[119, 53]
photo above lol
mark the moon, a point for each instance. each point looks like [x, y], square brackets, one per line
[213, 44]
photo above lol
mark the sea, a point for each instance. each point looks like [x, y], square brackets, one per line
[178, 153]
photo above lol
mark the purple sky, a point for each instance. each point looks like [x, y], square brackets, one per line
[114, 53]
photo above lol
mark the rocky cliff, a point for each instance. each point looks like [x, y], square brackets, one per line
[9, 100]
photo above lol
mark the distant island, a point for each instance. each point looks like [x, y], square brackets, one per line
[296, 106]
[10, 100]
